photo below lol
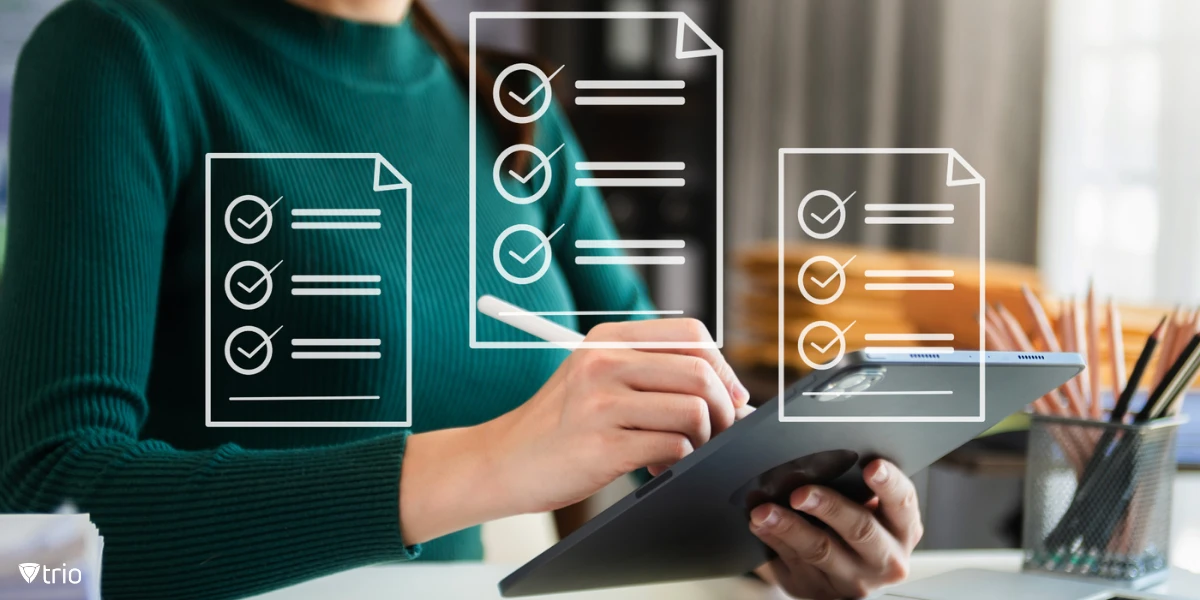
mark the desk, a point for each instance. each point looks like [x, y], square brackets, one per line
[477, 581]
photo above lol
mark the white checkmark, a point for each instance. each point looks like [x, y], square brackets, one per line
[529, 257]
[260, 346]
[836, 339]
[535, 91]
[260, 279]
[539, 166]
[840, 204]
[251, 224]
[836, 273]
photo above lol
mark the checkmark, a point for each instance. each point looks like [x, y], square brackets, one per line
[528, 257]
[251, 353]
[260, 279]
[836, 273]
[840, 204]
[837, 338]
[251, 224]
[535, 91]
[541, 163]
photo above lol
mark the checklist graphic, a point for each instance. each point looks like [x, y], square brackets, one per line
[818, 201]
[523, 252]
[285, 318]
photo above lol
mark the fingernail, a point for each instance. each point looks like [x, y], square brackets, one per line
[765, 519]
[740, 392]
[810, 502]
[881, 474]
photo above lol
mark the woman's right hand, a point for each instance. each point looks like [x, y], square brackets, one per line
[605, 412]
[608, 411]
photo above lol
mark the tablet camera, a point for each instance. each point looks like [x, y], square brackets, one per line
[850, 384]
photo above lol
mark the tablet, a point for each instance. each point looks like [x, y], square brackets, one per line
[692, 521]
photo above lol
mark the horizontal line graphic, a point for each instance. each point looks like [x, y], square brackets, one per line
[591, 312]
[335, 355]
[629, 84]
[909, 349]
[629, 100]
[335, 342]
[928, 287]
[909, 337]
[275, 398]
[884, 393]
[629, 243]
[629, 260]
[908, 207]
[909, 220]
[335, 212]
[335, 225]
[909, 273]
[335, 278]
[335, 291]
[630, 182]
[629, 166]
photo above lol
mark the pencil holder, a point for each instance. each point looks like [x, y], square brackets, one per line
[1098, 499]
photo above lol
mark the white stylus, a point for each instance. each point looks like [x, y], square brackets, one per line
[544, 329]
[536, 325]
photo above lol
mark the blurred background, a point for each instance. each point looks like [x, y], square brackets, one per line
[1081, 115]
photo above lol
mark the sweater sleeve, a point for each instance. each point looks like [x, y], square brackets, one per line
[93, 169]
[584, 216]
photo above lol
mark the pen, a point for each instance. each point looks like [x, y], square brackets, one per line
[546, 330]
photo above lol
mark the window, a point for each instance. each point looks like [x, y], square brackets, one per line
[1121, 160]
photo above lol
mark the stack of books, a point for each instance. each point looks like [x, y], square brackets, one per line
[949, 307]
[50, 557]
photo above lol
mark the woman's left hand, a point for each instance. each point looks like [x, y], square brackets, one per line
[869, 547]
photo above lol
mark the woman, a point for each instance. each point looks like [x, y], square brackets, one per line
[102, 322]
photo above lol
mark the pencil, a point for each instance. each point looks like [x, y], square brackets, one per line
[1156, 402]
[1093, 349]
[1168, 349]
[1079, 330]
[1116, 349]
[1139, 369]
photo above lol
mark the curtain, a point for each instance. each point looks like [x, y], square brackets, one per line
[963, 74]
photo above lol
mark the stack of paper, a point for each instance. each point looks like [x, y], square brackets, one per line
[49, 557]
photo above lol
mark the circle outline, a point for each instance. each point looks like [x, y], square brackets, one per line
[229, 355]
[545, 83]
[229, 214]
[841, 280]
[542, 160]
[841, 211]
[544, 242]
[229, 280]
[841, 338]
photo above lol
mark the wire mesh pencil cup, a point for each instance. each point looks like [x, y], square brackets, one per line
[1098, 499]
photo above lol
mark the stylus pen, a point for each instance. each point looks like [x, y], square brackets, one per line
[545, 329]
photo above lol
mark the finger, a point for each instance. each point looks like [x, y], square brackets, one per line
[898, 505]
[682, 375]
[799, 543]
[646, 448]
[669, 413]
[802, 581]
[856, 525]
[676, 331]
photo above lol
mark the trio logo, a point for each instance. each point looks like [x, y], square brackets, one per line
[29, 571]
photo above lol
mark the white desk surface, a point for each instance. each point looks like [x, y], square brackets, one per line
[477, 581]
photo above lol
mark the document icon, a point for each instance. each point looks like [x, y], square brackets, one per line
[305, 285]
[826, 194]
[512, 256]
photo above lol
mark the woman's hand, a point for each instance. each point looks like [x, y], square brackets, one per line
[869, 547]
[607, 412]
[602, 414]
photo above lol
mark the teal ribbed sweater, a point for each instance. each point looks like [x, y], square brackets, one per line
[102, 370]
